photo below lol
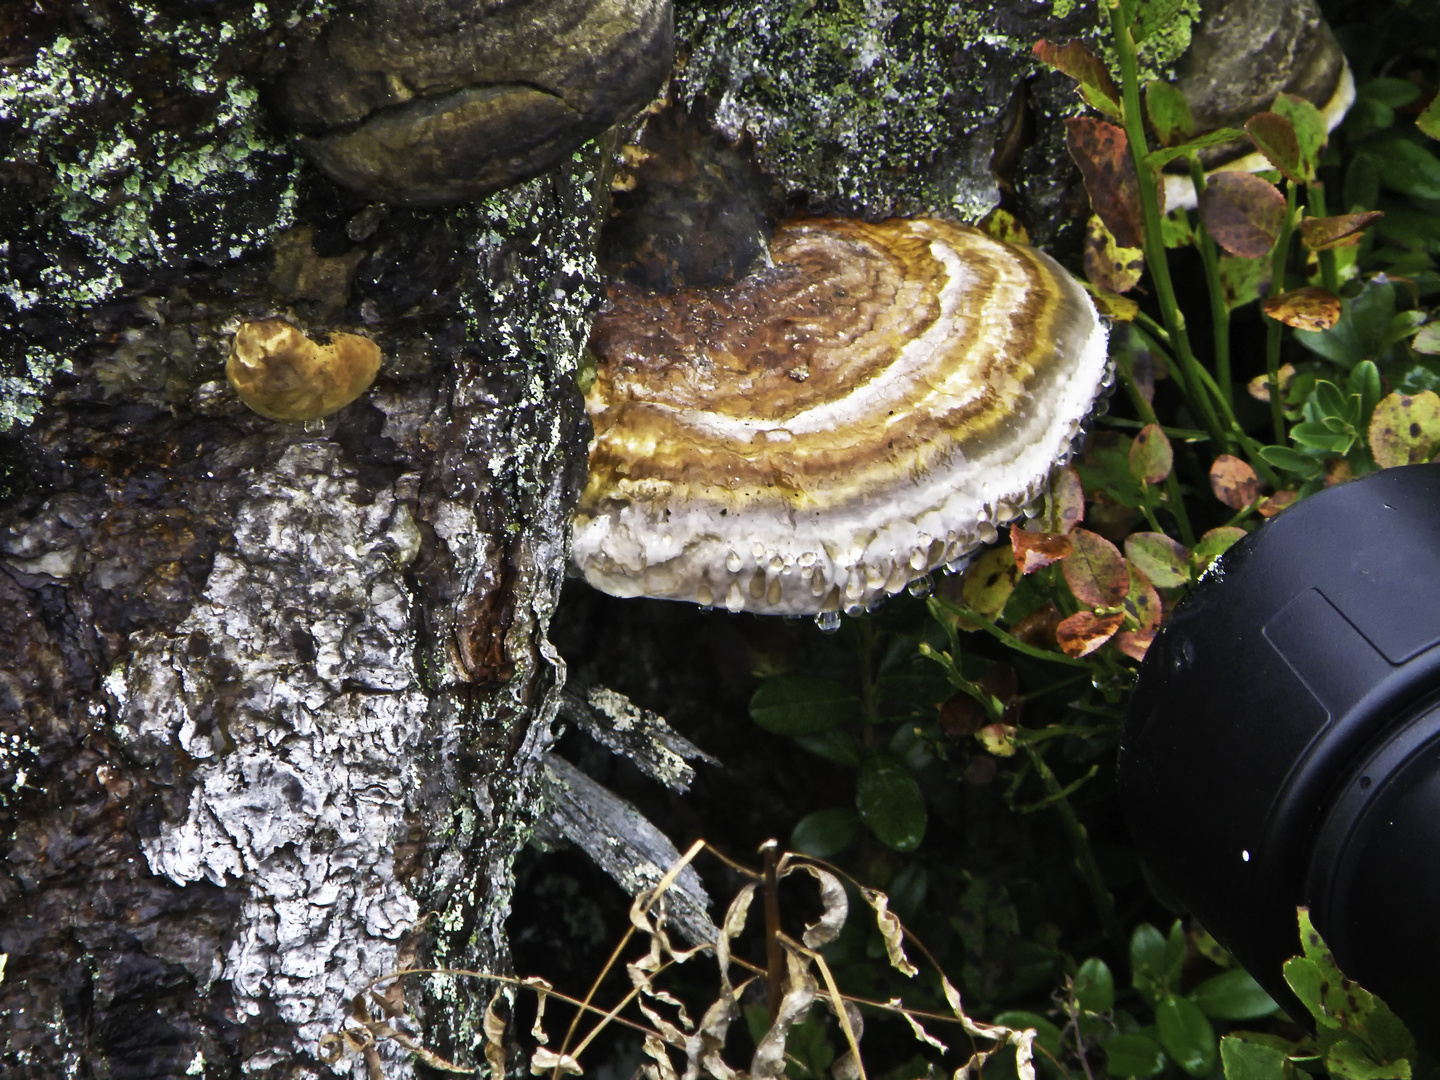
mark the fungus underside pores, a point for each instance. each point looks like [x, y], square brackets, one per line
[832, 427]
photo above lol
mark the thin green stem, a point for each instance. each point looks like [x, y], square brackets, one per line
[1000, 635]
[1085, 860]
[1219, 309]
[1278, 259]
[1329, 268]
[1155, 257]
[1174, 500]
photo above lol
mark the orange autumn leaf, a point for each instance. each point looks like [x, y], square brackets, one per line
[1084, 632]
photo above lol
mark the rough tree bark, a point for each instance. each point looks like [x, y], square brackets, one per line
[272, 697]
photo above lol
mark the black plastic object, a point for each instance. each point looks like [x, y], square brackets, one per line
[1283, 743]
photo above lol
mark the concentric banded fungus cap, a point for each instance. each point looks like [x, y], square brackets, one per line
[824, 431]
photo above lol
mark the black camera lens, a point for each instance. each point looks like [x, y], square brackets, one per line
[1282, 746]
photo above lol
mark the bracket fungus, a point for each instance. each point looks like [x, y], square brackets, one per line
[830, 428]
[283, 375]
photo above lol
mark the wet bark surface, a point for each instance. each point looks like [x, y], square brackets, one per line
[273, 696]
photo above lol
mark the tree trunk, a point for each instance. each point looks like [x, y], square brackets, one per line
[272, 696]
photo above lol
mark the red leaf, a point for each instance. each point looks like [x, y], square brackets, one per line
[1275, 137]
[1037, 550]
[1234, 482]
[1095, 570]
[1084, 632]
[1103, 154]
[1242, 212]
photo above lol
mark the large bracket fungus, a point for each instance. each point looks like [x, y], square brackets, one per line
[823, 432]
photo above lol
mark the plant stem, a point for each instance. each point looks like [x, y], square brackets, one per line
[1279, 258]
[1084, 856]
[1174, 500]
[1219, 309]
[1329, 270]
[1150, 209]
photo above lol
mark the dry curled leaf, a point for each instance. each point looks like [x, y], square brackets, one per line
[544, 1060]
[1306, 308]
[890, 930]
[1234, 482]
[1341, 230]
[1036, 550]
[1095, 570]
[1084, 632]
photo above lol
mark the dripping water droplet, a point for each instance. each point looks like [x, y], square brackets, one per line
[921, 587]
[315, 426]
[828, 621]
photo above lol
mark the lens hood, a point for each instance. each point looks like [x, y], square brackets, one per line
[1282, 746]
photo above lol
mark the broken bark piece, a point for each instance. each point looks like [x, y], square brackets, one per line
[830, 428]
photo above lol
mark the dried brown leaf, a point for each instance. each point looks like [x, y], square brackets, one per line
[891, 931]
[1084, 632]
[545, 1060]
[1074, 59]
[1036, 550]
[494, 1026]
[655, 1050]
[1102, 152]
[835, 904]
[1234, 482]
[1307, 308]
[800, 990]
[919, 1032]
[1341, 230]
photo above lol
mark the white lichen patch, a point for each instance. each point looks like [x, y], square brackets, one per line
[302, 749]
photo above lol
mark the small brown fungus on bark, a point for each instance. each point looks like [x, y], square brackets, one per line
[944, 374]
[283, 375]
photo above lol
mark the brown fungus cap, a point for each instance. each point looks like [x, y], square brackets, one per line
[283, 375]
[824, 431]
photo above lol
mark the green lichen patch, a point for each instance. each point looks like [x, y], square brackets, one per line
[867, 107]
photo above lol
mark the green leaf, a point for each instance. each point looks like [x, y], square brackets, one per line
[803, 705]
[1348, 1059]
[1340, 1003]
[1244, 1060]
[1401, 327]
[1156, 961]
[890, 803]
[1095, 986]
[1215, 543]
[1151, 457]
[1186, 1035]
[1429, 119]
[1316, 436]
[1169, 113]
[1047, 1035]
[1407, 167]
[1362, 183]
[1393, 92]
[1310, 131]
[1158, 159]
[1359, 332]
[1293, 461]
[1365, 382]
[1329, 398]
[825, 833]
[1164, 561]
[840, 747]
[1233, 995]
[1137, 1056]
